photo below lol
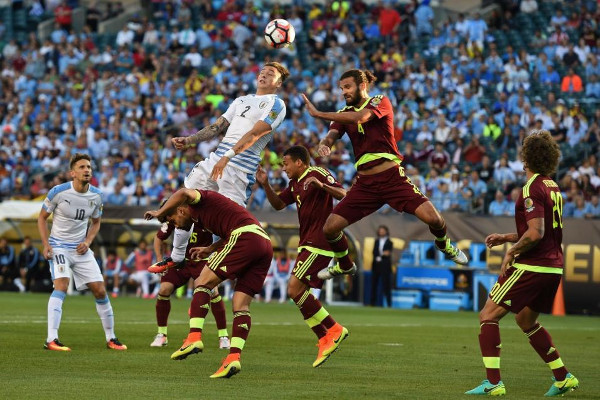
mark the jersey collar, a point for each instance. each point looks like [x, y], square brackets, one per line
[363, 105]
[305, 173]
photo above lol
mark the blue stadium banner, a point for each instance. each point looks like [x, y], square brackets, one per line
[424, 278]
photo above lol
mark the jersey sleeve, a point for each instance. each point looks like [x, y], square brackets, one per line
[275, 115]
[51, 201]
[165, 231]
[97, 213]
[535, 202]
[229, 114]
[286, 195]
[328, 179]
[336, 126]
[380, 105]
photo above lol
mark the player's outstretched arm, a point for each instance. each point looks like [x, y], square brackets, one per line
[274, 199]
[206, 133]
[83, 247]
[43, 229]
[260, 129]
[327, 142]
[349, 117]
[496, 239]
[181, 197]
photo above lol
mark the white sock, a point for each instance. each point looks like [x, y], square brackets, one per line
[54, 314]
[180, 242]
[105, 312]
[19, 284]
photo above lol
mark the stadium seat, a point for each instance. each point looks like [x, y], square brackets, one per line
[407, 299]
[424, 252]
[449, 301]
[478, 256]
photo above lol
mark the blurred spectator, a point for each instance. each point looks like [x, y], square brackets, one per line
[29, 265]
[8, 268]
[63, 15]
[114, 268]
[571, 82]
[499, 206]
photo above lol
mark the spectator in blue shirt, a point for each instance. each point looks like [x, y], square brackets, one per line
[550, 77]
[499, 206]
[593, 207]
[592, 88]
[581, 208]
[424, 17]
[117, 198]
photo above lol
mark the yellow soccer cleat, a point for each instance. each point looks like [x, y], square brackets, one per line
[323, 345]
[55, 345]
[191, 345]
[231, 366]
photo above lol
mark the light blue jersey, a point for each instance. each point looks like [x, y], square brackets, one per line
[72, 210]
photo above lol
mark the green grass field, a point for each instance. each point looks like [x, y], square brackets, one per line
[390, 354]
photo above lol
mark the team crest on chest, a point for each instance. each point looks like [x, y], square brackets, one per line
[92, 203]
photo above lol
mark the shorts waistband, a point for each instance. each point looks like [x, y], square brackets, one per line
[252, 228]
[538, 269]
[316, 250]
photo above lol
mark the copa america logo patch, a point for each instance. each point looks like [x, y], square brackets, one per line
[528, 204]
[330, 179]
[376, 101]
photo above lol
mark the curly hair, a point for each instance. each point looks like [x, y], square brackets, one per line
[360, 76]
[540, 153]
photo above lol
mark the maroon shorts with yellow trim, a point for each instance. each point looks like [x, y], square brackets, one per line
[371, 192]
[245, 257]
[518, 289]
[308, 264]
[179, 277]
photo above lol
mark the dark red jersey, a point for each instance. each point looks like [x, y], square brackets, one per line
[541, 198]
[373, 137]
[200, 236]
[219, 215]
[314, 206]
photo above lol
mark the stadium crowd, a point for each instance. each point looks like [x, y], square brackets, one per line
[466, 91]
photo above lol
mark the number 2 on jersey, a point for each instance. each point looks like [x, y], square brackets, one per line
[243, 114]
[557, 209]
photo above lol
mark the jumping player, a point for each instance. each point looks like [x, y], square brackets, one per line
[369, 122]
[68, 246]
[176, 277]
[244, 253]
[531, 269]
[312, 189]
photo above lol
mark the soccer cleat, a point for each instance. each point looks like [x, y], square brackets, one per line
[56, 346]
[323, 345]
[231, 366]
[115, 344]
[191, 345]
[454, 253]
[559, 388]
[335, 270]
[224, 342]
[160, 340]
[164, 265]
[488, 389]
[114, 295]
[337, 334]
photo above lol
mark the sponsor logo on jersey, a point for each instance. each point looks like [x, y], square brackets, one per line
[262, 104]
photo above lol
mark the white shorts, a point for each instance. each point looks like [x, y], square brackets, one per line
[235, 184]
[85, 268]
[139, 276]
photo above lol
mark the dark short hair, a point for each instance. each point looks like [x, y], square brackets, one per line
[298, 153]
[384, 227]
[360, 76]
[78, 157]
[540, 152]
[283, 71]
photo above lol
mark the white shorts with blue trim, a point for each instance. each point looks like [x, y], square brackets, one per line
[85, 268]
[235, 184]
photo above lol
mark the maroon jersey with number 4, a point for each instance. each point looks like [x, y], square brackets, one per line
[200, 236]
[374, 136]
[219, 215]
[314, 206]
[541, 198]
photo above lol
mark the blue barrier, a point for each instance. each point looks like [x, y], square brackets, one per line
[407, 299]
[424, 278]
[449, 301]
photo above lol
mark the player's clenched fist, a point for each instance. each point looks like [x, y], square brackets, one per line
[179, 143]
[323, 151]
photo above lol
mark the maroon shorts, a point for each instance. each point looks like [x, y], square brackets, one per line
[245, 257]
[308, 264]
[181, 276]
[371, 192]
[518, 289]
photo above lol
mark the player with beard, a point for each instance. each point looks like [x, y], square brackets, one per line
[369, 122]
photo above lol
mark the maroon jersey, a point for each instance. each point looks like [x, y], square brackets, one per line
[314, 206]
[541, 198]
[374, 136]
[200, 236]
[219, 215]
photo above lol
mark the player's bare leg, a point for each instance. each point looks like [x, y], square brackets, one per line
[105, 312]
[333, 230]
[427, 213]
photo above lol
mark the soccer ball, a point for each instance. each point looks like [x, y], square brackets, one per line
[279, 33]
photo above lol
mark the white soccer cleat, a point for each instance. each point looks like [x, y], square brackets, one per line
[224, 342]
[454, 253]
[335, 270]
[160, 340]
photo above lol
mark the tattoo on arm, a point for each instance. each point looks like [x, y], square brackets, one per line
[210, 131]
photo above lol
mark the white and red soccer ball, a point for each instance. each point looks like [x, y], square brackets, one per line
[279, 33]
